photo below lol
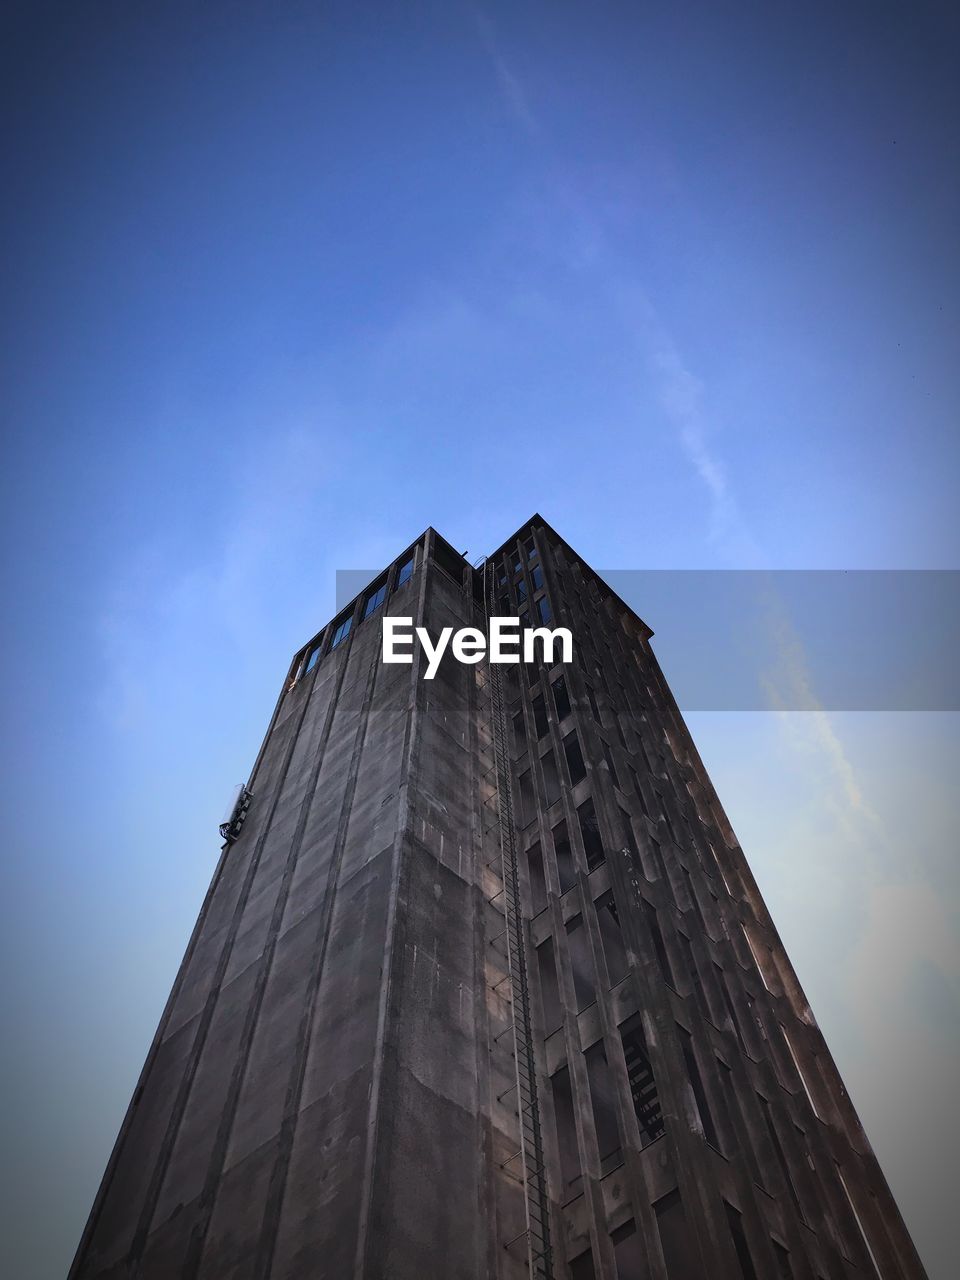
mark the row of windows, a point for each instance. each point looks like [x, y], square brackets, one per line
[340, 628]
[515, 561]
[676, 1245]
[653, 868]
[727, 1138]
[650, 1123]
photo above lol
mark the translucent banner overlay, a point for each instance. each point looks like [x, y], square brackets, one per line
[795, 639]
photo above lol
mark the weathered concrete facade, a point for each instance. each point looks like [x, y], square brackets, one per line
[332, 1091]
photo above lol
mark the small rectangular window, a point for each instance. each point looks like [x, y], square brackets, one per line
[628, 832]
[531, 549]
[375, 599]
[582, 1268]
[519, 731]
[740, 1242]
[342, 631]
[575, 765]
[608, 756]
[543, 609]
[566, 867]
[521, 590]
[538, 882]
[312, 659]
[536, 577]
[696, 1084]
[592, 699]
[611, 936]
[540, 716]
[696, 986]
[549, 987]
[578, 947]
[675, 1239]
[551, 779]
[603, 1098]
[528, 800]
[780, 1154]
[735, 1127]
[405, 573]
[656, 936]
[561, 698]
[629, 1254]
[782, 1255]
[590, 834]
[566, 1127]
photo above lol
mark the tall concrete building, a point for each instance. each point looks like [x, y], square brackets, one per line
[483, 987]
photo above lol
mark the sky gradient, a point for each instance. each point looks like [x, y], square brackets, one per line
[282, 286]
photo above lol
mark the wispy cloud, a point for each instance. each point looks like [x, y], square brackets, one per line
[511, 88]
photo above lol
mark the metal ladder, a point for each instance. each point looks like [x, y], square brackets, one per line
[531, 1139]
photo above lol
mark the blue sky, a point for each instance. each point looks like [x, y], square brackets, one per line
[284, 285]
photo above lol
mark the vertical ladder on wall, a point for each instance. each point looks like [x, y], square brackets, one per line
[531, 1138]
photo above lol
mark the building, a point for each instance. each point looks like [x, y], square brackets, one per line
[483, 987]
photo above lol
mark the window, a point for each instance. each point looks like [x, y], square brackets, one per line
[628, 828]
[566, 868]
[602, 1095]
[675, 1239]
[696, 986]
[611, 936]
[656, 936]
[740, 1242]
[519, 732]
[405, 573]
[654, 868]
[531, 549]
[696, 1083]
[521, 590]
[536, 577]
[608, 756]
[551, 779]
[312, 659]
[735, 1125]
[375, 599]
[643, 1086]
[549, 987]
[638, 790]
[543, 609]
[628, 1252]
[590, 834]
[528, 801]
[582, 1268]
[782, 1255]
[578, 946]
[538, 882]
[575, 765]
[566, 1127]
[592, 699]
[780, 1154]
[561, 698]
[728, 1003]
[342, 631]
[540, 716]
